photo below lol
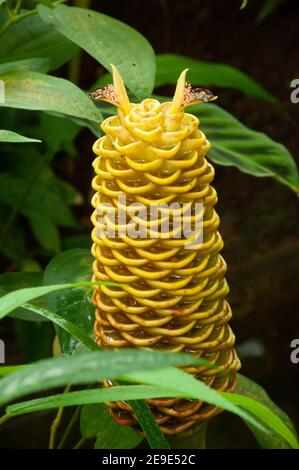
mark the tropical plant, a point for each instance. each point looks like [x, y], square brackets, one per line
[37, 38]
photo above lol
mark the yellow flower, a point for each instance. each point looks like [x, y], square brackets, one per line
[172, 296]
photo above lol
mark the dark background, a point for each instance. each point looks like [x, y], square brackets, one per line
[259, 217]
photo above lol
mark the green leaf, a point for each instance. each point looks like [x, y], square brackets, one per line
[68, 267]
[244, 4]
[169, 66]
[95, 421]
[31, 37]
[184, 384]
[14, 246]
[17, 280]
[93, 366]
[77, 241]
[108, 41]
[268, 7]
[40, 64]
[18, 187]
[84, 369]
[148, 423]
[34, 90]
[59, 133]
[74, 330]
[89, 367]
[13, 300]
[10, 136]
[234, 144]
[7, 370]
[45, 231]
[87, 397]
[273, 440]
[35, 339]
[187, 385]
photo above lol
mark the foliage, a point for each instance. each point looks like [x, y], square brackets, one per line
[47, 113]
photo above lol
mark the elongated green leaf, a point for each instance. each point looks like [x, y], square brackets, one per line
[96, 421]
[108, 41]
[93, 366]
[40, 64]
[19, 280]
[31, 37]
[248, 388]
[10, 136]
[265, 415]
[7, 370]
[68, 267]
[34, 90]
[169, 66]
[148, 424]
[13, 300]
[234, 144]
[182, 382]
[85, 368]
[66, 325]
[90, 367]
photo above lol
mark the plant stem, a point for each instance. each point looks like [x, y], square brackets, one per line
[69, 428]
[80, 443]
[14, 17]
[17, 7]
[5, 418]
[56, 422]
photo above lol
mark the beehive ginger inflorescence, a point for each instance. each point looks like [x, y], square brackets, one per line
[173, 290]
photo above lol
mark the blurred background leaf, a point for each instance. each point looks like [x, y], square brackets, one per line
[68, 267]
[96, 422]
[33, 38]
[234, 144]
[203, 73]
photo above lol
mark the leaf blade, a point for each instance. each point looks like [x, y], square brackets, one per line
[248, 388]
[254, 153]
[24, 38]
[36, 91]
[13, 137]
[84, 368]
[204, 73]
[13, 300]
[95, 33]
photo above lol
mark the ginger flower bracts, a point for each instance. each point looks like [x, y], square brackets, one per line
[156, 234]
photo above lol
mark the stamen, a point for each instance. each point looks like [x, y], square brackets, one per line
[105, 93]
[197, 95]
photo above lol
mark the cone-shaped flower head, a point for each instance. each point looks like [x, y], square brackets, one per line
[173, 291]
